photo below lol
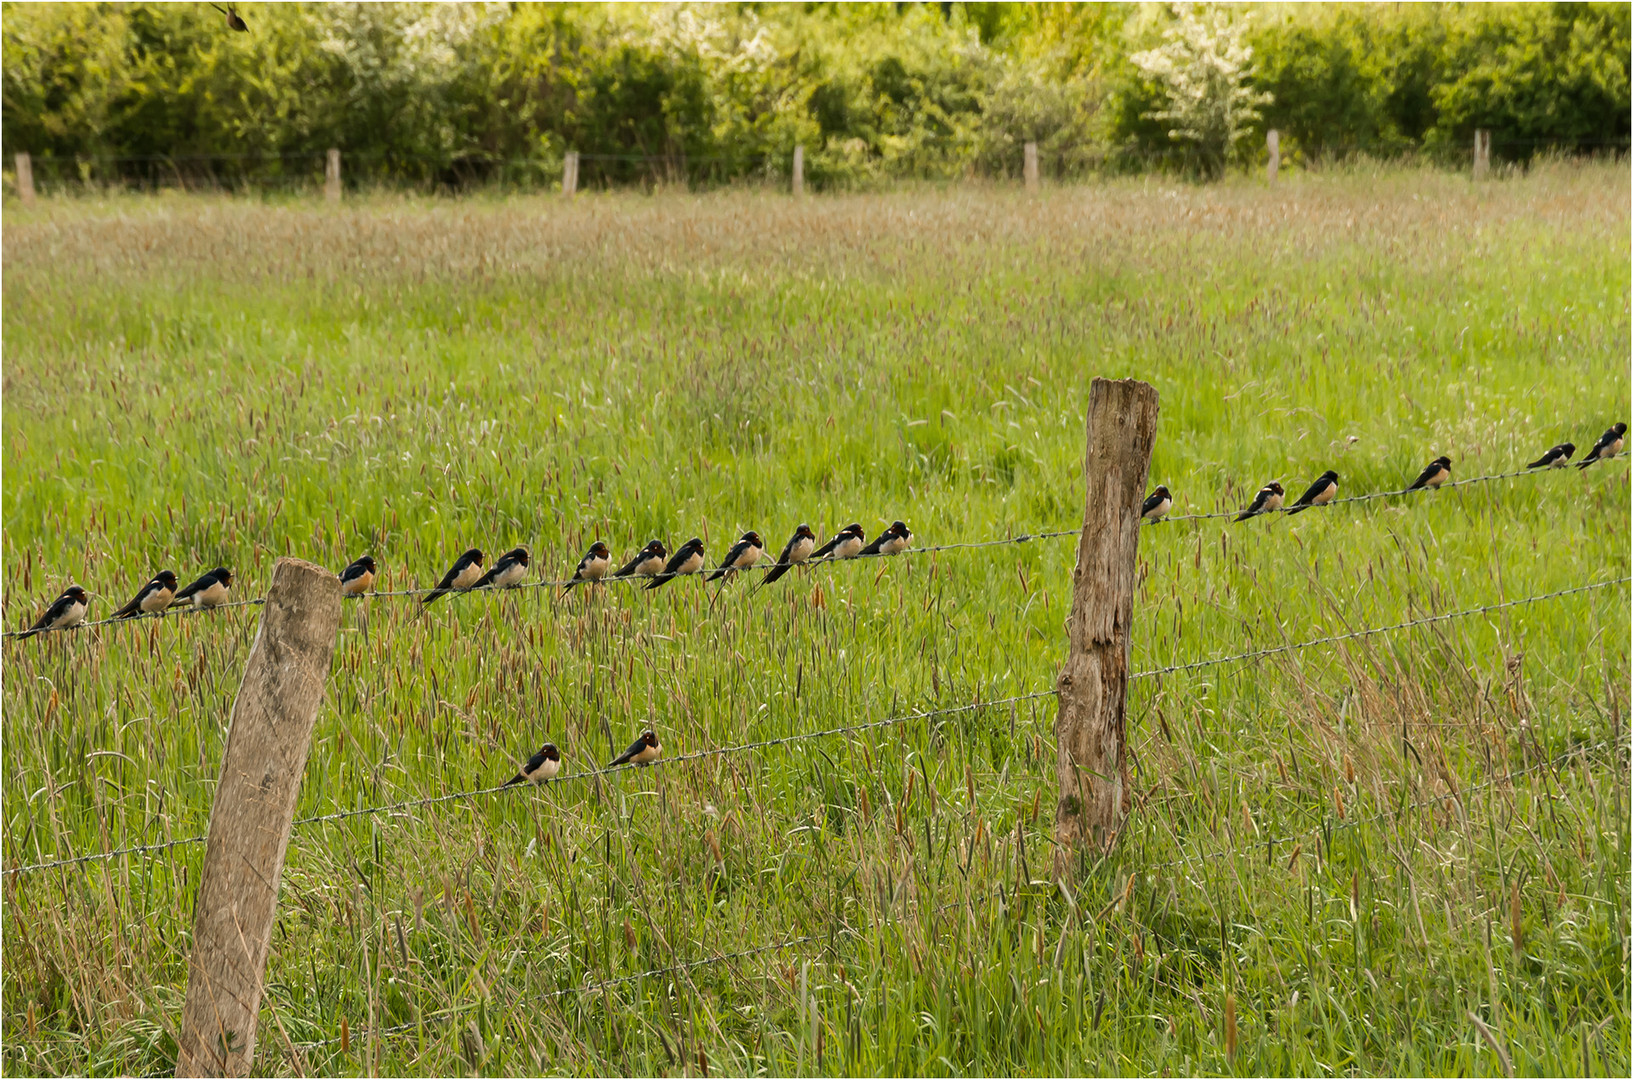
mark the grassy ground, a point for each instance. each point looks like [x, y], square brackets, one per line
[193, 381]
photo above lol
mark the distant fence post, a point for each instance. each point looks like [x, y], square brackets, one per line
[569, 173]
[250, 819]
[1272, 142]
[1091, 765]
[1031, 166]
[799, 170]
[25, 178]
[331, 176]
[1482, 153]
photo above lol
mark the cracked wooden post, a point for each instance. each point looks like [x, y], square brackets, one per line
[25, 178]
[1091, 763]
[250, 819]
[1272, 144]
[799, 170]
[1029, 165]
[331, 176]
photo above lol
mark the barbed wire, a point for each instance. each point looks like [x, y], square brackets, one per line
[846, 729]
[765, 565]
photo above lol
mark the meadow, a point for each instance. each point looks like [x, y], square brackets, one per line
[1406, 853]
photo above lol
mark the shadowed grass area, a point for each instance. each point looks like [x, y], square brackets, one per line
[1356, 846]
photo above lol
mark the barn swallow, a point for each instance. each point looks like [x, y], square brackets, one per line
[593, 566]
[1156, 505]
[844, 544]
[1318, 493]
[542, 766]
[234, 20]
[643, 751]
[154, 596]
[797, 550]
[358, 578]
[1267, 500]
[687, 560]
[1434, 474]
[69, 610]
[462, 575]
[743, 554]
[893, 541]
[507, 571]
[1555, 458]
[208, 591]
[647, 562]
[1608, 446]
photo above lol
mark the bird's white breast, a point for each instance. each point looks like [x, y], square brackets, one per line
[848, 548]
[801, 550]
[467, 577]
[509, 576]
[214, 596]
[157, 600]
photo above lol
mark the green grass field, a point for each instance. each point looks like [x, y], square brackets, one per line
[193, 380]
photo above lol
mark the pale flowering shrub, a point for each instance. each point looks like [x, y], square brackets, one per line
[1204, 68]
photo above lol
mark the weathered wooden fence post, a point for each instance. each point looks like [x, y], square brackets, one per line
[799, 170]
[250, 820]
[1091, 764]
[1272, 142]
[1482, 153]
[331, 176]
[1030, 166]
[25, 178]
[569, 173]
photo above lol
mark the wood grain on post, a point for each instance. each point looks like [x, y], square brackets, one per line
[1031, 166]
[1272, 142]
[25, 178]
[569, 173]
[331, 176]
[250, 820]
[1091, 764]
[1482, 153]
[799, 170]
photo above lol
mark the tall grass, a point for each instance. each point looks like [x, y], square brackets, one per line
[192, 381]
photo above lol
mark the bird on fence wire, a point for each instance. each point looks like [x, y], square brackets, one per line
[507, 572]
[460, 576]
[743, 554]
[643, 751]
[593, 566]
[797, 550]
[844, 544]
[1555, 458]
[646, 563]
[1267, 501]
[1156, 505]
[1608, 446]
[154, 596]
[358, 578]
[1434, 474]
[66, 611]
[1318, 493]
[893, 541]
[210, 590]
[687, 560]
[542, 766]
[234, 20]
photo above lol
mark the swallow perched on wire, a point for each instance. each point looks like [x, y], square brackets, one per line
[647, 562]
[643, 751]
[593, 566]
[1555, 458]
[1608, 446]
[154, 596]
[1266, 501]
[67, 610]
[507, 571]
[687, 560]
[797, 550]
[893, 541]
[210, 590]
[844, 544]
[1318, 493]
[743, 554]
[358, 578]
[465, 572]
[542, 766]
[1156, 505]
[234, 20]
[1434, 474]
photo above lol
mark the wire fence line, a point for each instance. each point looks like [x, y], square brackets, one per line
[765, 565]
[406, 805]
